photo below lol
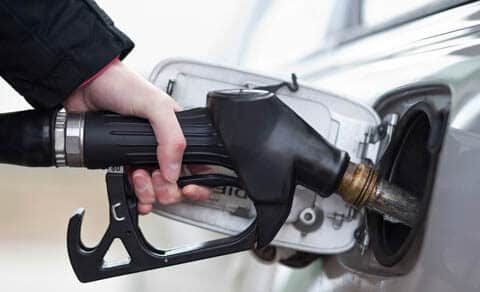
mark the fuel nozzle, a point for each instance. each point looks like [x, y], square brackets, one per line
[361, 186]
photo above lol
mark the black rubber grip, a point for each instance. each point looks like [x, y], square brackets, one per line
[112, 140]
[25, 138]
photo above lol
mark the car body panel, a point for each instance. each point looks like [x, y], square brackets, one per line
[439, 49]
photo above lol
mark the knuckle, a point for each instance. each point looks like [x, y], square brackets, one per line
[142, 195]
[180, 144]
[146, 199]
[144, 192]
[176, 146]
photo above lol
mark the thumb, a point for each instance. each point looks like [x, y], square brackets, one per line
[171, 143]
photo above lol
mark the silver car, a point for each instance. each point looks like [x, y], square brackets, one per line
[419, 70]
[416, 65]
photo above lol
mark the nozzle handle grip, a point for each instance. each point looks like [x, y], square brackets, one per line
[111, 139]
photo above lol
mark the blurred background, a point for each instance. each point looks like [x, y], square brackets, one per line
[37, 203]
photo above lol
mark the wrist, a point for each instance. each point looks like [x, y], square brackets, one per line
[99, 73]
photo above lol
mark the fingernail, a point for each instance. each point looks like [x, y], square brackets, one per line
[190, 192]
[140, 182]
[188, 188]
[173, 172]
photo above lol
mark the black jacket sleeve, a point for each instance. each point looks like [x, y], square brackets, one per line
[49, 47]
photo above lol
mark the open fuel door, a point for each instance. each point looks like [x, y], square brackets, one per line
[315, 224]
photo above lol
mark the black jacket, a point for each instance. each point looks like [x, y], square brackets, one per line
[48, 48]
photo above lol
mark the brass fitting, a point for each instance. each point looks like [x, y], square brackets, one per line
[362, 187]
[358, 184]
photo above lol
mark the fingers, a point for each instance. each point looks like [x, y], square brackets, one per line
[165, 192]
[171, 143]
[150, 189]
[121, 90]
[143, 187]
[154, 188]
[196, 193]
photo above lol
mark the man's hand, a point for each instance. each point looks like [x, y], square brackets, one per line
[119, 89]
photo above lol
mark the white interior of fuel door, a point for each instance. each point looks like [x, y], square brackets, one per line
[315, 224]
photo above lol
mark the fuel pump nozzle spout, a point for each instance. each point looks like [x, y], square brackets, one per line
[361, 186]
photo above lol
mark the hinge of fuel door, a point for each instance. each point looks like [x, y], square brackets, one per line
[382, 134]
